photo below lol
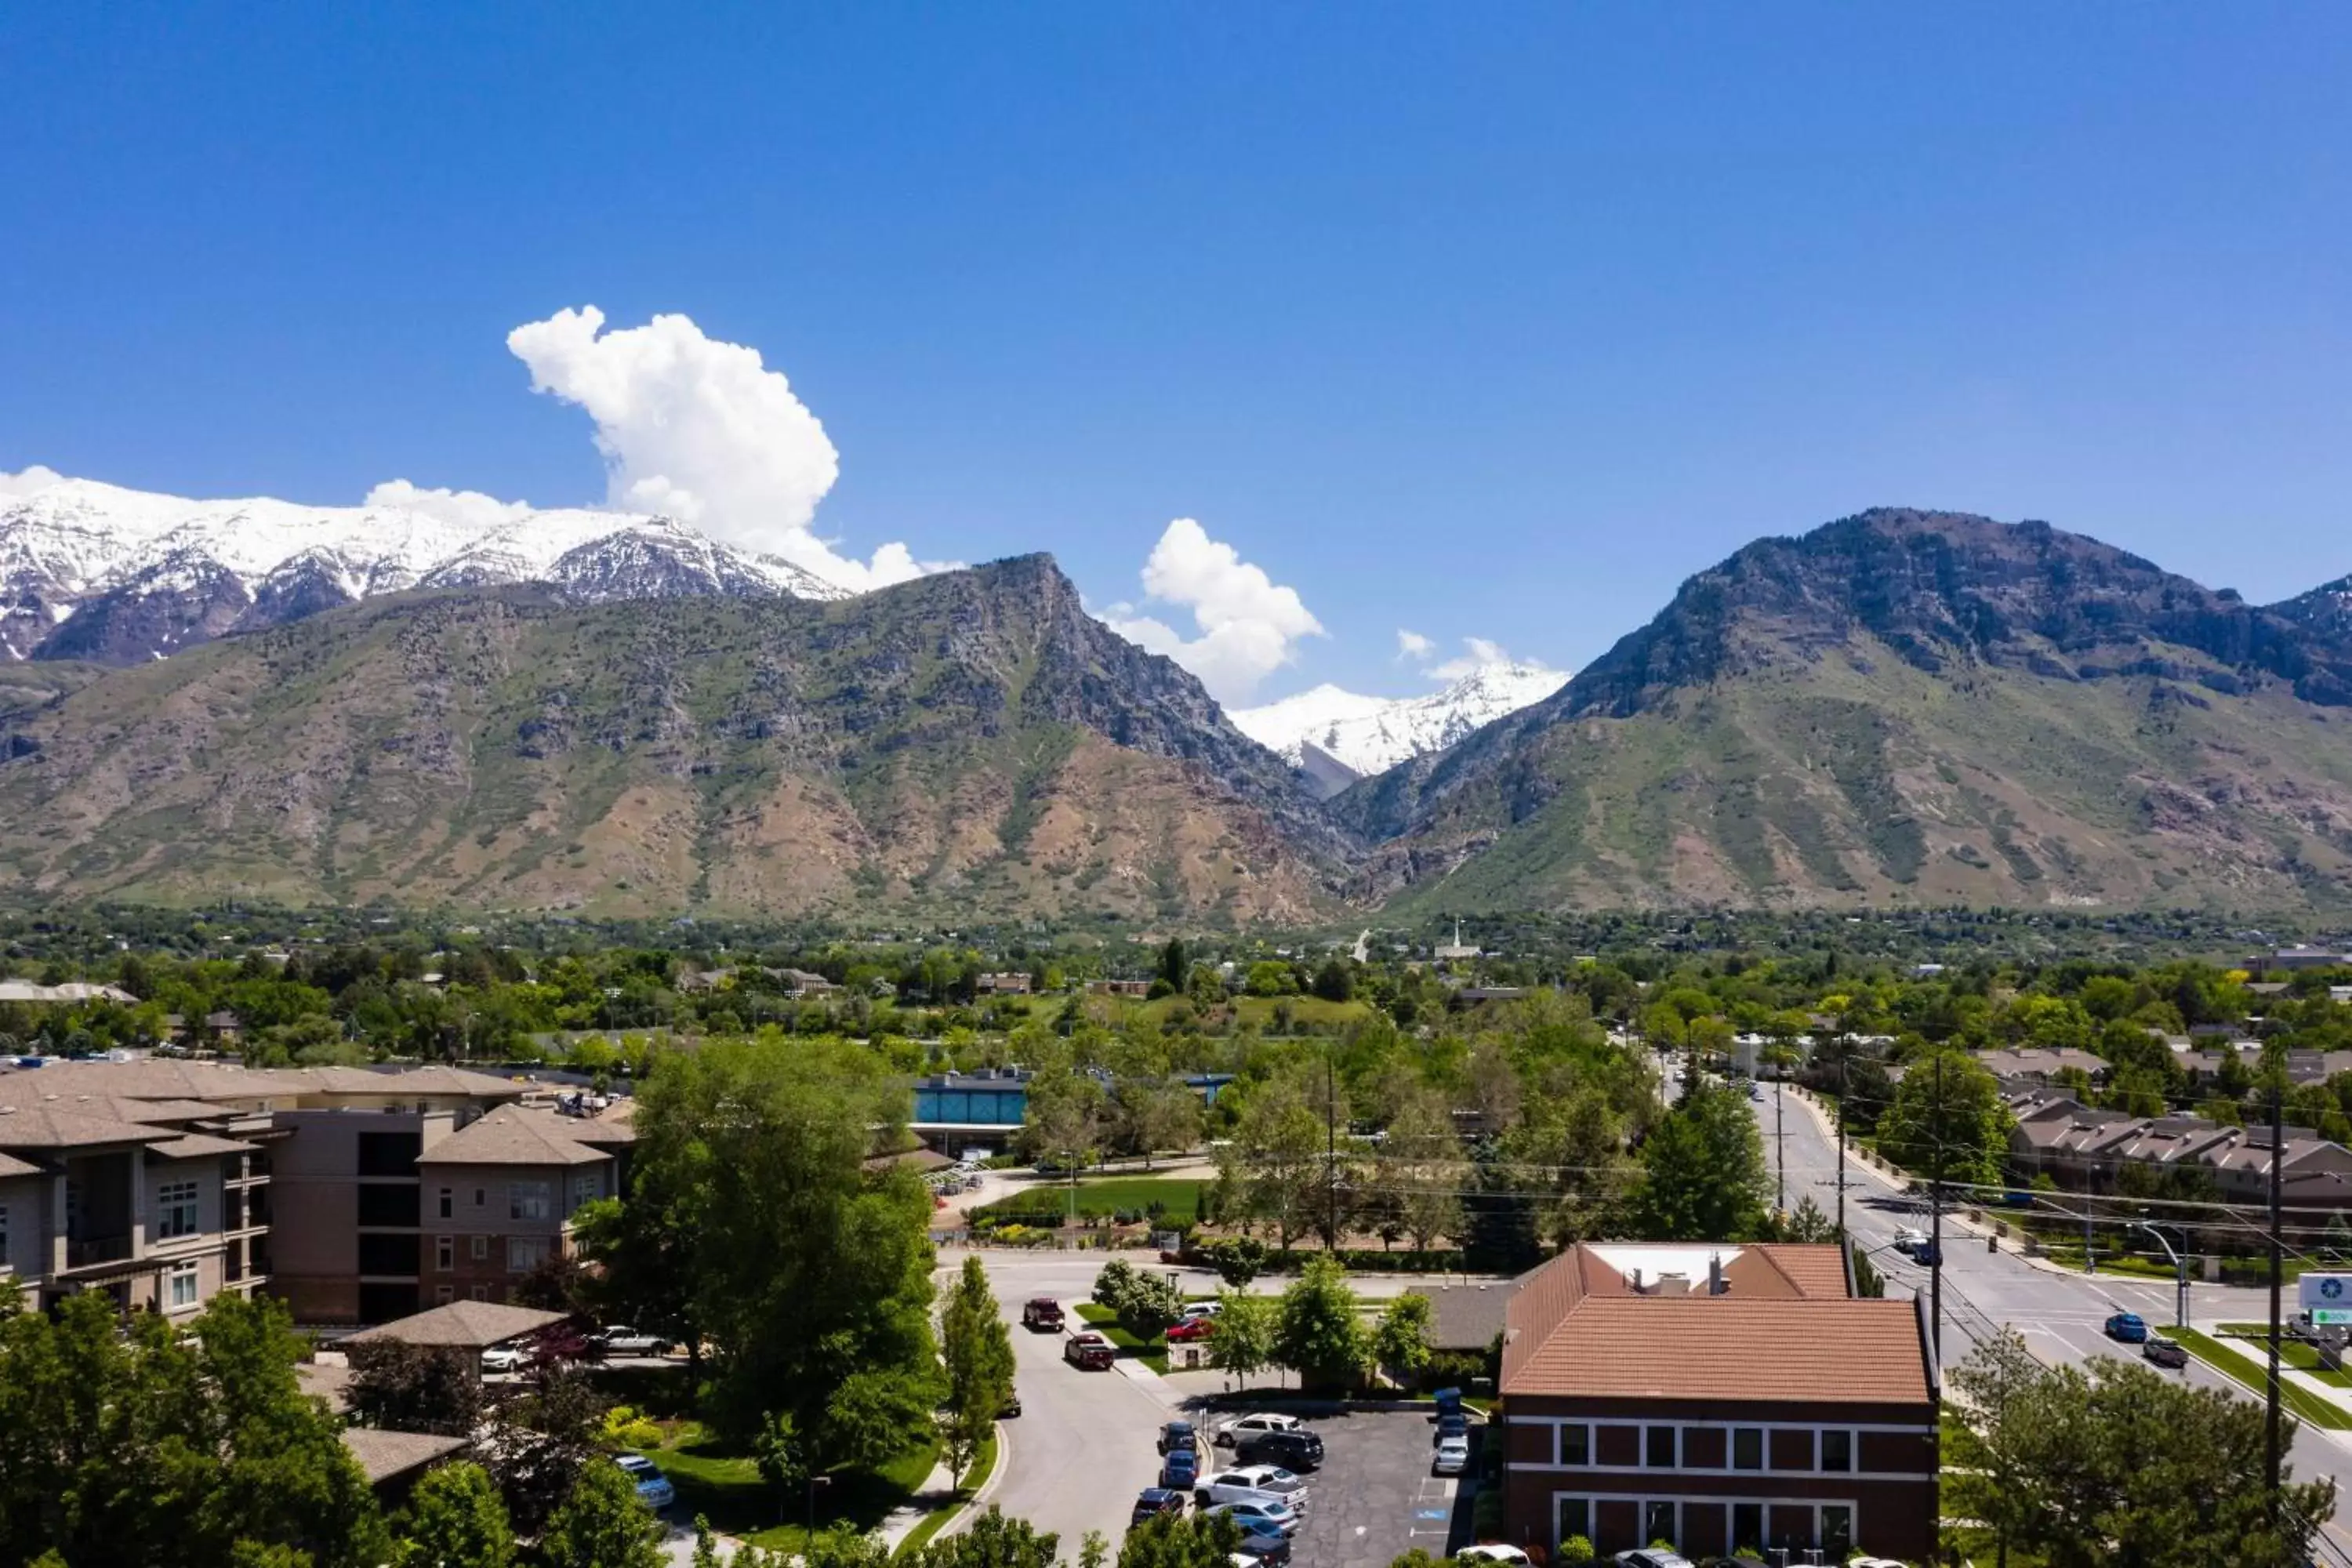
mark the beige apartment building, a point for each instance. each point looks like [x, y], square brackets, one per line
[165, 1183]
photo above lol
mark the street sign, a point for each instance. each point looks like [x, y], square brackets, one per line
[2328, 1298]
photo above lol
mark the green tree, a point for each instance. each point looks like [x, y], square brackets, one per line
[1277, 1154]
[1067, 1118]
[403, 1387]
[1401, 1343]
[601, 1523]
[2113, 1463]
[978, 1353]
[808, 1272]
[1947, 1103]
[1175, 965]
[1181, 1540]
[1157, 1114]
[456, 1521]
[1703, 1173]
[1319, 1334]
[1421, 1163]
[994, 1541]
[1247, 1329]
[1238, 1259]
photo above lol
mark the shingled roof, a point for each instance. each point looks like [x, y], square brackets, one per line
[466, 1325]
[1600, 1322]
[512, 1135]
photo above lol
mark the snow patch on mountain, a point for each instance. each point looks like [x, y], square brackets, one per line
[1366, 735]
[70, 545]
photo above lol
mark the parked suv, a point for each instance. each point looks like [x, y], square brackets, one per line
[1154, 1501]
[1300, 1450]
[1243, 1427]
[1179, 1434]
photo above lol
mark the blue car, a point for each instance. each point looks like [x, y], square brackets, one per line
[2130, 1327]
[1179, 1469]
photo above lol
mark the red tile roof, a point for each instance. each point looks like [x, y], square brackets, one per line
[1783, 1330]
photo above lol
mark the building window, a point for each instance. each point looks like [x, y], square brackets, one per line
[1748, 1528]
[1837, 1450]
[481, 1292]
[528, 1200]
[586, 1188]
[176, 1210]
[1658, 1448]
[1575, 1519]
[1576, 1446]
[444, 1294]
[1658, 1520]
[481, 1249]
[481, 1198]
[525, 1253]
[180, 1286]
[445, 1253]
[1837, 1530]
[449, 1204]
[1748, 1449]
[3, 1236]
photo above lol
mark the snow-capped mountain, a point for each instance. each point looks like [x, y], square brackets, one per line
[1336, 737]
[92, 571]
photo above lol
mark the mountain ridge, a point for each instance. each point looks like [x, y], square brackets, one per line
[970, 736]
[1337, 737]
[147, 575]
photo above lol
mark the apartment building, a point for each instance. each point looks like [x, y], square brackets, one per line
[1716, 1398]
[2087, 1147]
[144, 1199]
[166, 1182]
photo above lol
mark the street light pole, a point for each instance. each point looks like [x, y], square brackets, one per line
[1843, 1058]
[2271, 1443]
[2181, 1271]
[1936, 1221]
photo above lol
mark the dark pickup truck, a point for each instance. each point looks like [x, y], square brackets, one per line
[1088, 1352]
[1043, 1315]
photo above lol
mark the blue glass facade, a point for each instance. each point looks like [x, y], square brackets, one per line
[970, 1102]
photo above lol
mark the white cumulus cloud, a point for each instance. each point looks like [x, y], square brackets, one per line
[31, 481]
[704, 432]
[462, 509]
[1249, 626]
[1413, 646]
[1478, 653]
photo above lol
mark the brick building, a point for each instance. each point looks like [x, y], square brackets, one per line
[1718, 1397]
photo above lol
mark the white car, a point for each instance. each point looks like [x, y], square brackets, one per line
[1241, 1427]
[1270, 1510]
[1651, 1557]
[1453, 1455]
[651, 1484]
[1203, 1309]
[623, 1341]
[504, 1358]
[1492, 1552]
[1244, 1486]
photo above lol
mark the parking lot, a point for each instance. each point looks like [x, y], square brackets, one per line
[1374, 1497]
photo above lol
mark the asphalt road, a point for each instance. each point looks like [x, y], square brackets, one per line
[2060, 1314]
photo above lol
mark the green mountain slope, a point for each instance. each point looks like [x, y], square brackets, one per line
[1902, 706]
[970, 741]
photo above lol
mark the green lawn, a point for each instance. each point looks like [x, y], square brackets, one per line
[982, 1465]
[1100, 1196]
[724, 1485]
[1154, 1352]
[2306, 1406]
[2291, 1353]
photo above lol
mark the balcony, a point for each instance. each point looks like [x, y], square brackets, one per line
[92, 1250]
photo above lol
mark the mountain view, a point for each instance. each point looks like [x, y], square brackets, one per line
[1335, 737]
[1901, 706]
[94, 572]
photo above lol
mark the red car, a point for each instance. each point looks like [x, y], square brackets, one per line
[1191, 1328]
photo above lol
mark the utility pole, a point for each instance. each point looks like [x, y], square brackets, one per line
[2271, 1386]
[1843, 1056]
[1331, 1140]
[1780, 1133]
[1936, 1221]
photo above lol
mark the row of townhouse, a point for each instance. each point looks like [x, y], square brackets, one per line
[359, 1195]
[2036, 1065]
[2084, 1147]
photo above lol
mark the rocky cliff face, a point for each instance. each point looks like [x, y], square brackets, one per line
[969, 740]
[1904, 704]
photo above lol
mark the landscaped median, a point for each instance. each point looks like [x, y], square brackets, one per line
[1154, 1352]
[724, 1484]
[2306, 1406]
[984, 1465]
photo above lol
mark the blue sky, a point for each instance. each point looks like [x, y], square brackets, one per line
[1490, 320]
